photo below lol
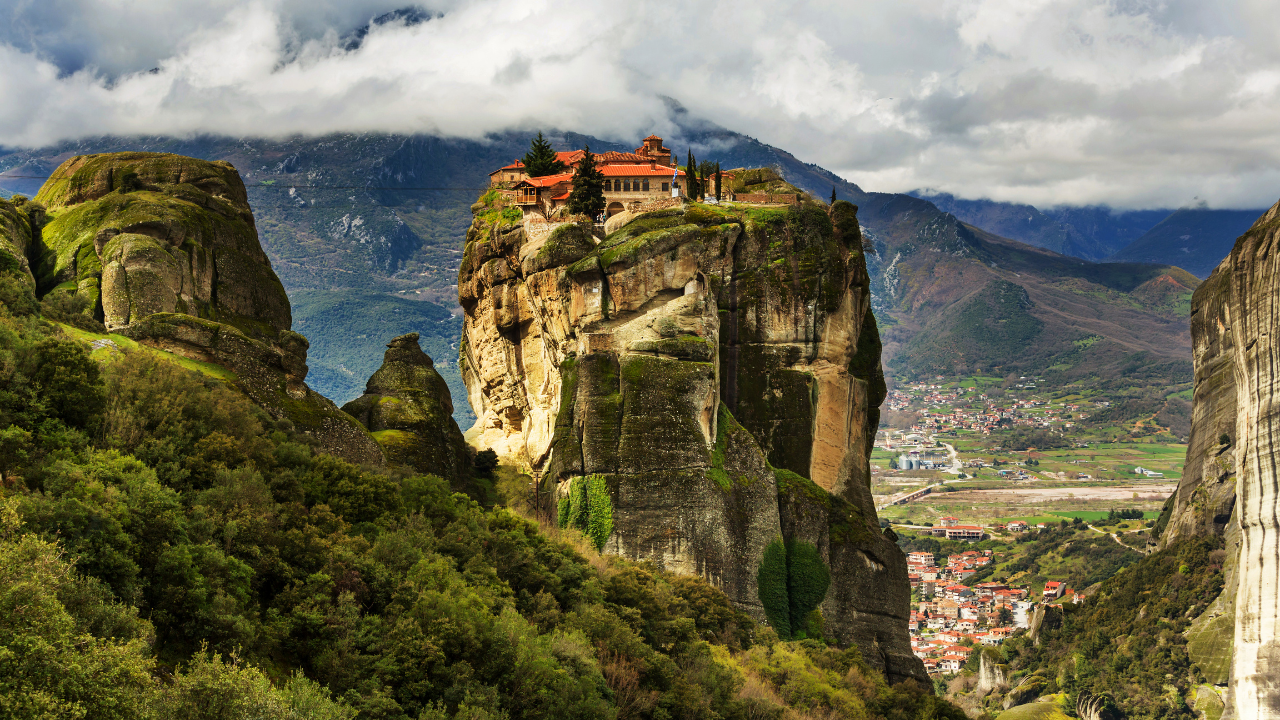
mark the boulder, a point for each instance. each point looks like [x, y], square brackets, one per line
[993, 674]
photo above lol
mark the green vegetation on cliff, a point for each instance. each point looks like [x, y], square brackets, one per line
[588, 509]
[793, 580]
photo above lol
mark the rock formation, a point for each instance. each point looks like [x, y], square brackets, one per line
[717, 371]
[993, 674]
[1230, 486]
[164, 250]
[407, 408]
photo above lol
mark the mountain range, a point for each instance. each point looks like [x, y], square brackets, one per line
[367, 230]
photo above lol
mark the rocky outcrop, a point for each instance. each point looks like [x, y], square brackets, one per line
[143, 233]
[1044, 617]
[718, 371]
[993, 673]
[407, 408]
[17, 237]
[1230, 486]
[164, 250]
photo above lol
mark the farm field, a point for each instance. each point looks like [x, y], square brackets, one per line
[986, 503]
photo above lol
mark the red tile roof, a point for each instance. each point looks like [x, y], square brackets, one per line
[653, 137]
[615, 157]
[547, 180]
[637, 170]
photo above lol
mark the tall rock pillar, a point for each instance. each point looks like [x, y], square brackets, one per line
[1253, 319]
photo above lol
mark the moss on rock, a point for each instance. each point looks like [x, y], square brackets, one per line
[180, 235]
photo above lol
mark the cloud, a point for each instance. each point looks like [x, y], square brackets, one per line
[1128, 102]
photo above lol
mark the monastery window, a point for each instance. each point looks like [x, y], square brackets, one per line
[617, 185]
[646, 184]
[666, 187]
[626, 185]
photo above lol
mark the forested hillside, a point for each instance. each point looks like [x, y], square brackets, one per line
[167, 550]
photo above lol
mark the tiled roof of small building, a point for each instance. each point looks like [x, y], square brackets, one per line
[546, 180]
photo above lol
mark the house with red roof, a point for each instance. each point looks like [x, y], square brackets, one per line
[630, 179]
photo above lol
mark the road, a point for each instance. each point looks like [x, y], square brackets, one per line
[954, 467]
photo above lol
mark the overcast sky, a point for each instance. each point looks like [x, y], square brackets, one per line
[1132, 103]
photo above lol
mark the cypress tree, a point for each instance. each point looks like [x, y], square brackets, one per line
[691, 177]
[541, 159]
[587, 195]
[833, 195]
[717, 182]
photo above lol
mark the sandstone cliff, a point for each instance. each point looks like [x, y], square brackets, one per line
[407, 407]
[699, 388]
[1230, 486]
[163, 249]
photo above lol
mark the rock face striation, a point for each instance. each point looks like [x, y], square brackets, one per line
[1230, 486]
[699, 388]
[407, 408]
[163, 248]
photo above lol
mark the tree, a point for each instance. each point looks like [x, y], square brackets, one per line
[541, 159]
[718, 178]
[14, 443]
[587, 195]
[691, 178]
[833, 194]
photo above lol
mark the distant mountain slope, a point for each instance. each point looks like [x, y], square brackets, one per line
[1193, 238]
[349, 330]
[1091, 232]
[1107, 227]
[950, 300]
[1020, 222]
[350, 220]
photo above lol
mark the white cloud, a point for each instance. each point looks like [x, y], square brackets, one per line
[1128, 102]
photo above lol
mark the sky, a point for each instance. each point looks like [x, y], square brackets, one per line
[1129, 103]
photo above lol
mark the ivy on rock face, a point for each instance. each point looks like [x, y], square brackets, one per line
[588, 508]
[792, 582]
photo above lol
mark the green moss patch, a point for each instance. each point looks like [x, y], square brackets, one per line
[566, 244]
[588, 508]
[684, 347]
[128, 344]
[650, 244]
[394, 437]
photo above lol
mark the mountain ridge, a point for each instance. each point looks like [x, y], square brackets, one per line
[397, 222]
